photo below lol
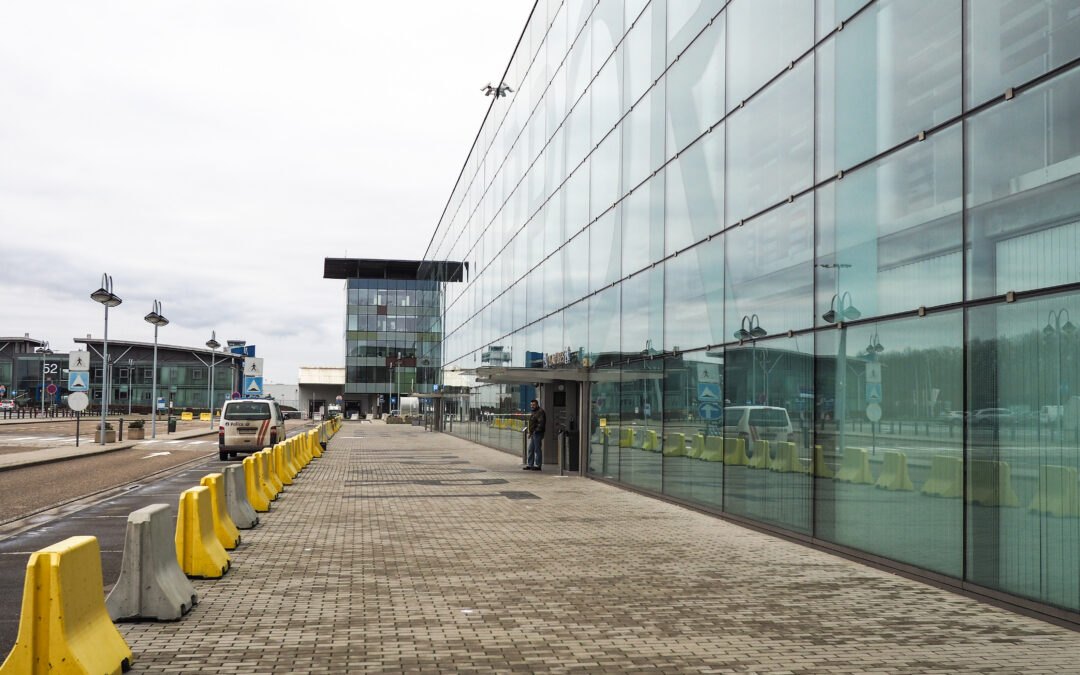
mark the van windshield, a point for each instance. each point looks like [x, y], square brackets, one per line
[768, 417]
[247, 410]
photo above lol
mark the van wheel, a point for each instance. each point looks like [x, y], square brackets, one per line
[223, 455]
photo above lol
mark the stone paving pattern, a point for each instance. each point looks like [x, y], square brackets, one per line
[407, 551]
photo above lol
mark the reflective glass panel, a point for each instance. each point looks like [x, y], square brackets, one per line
[694, 185]
[693, 467]
[641, 419]
[642, 215]
[694, 297]
[604, 424]
[695, 88]
[764, 36]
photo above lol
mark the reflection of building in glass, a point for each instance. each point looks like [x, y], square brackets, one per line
[857, 221]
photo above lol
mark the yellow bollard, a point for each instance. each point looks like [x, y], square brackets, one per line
[894, 473]
[946, 477]
[197, 547]
[760, 458]
[253, 485]
[855, 468]
[64, 626]
[675, 445]
[821, 469]
[224, 527]
[268, 487]
[735, 452]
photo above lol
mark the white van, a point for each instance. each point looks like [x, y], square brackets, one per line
[758, 422]
[248, 426]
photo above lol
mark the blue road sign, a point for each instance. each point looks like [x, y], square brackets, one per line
[710, 411]
[161, 403]
[873, 392]
[253, 386]
[78, 381]
[708, 391]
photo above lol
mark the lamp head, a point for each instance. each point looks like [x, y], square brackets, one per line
[829, 316]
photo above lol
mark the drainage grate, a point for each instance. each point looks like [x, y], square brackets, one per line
[518, 494]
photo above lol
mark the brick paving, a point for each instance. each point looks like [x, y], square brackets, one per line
[406, 551]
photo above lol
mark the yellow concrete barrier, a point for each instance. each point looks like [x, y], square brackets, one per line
[253, 486]
[197, 547]
[305, 448]
[714, 449]
[626, 438]
[675, 445]
[855, 467]
[186, 417]
[281, 470]
[697, 446]
[894, 473]
[1057, 492]
[204, 417]
[650, 443]
[787, 459]
[316, 447]
[990, 483]
[271, 472]
[735, 451]
[500, 423]
[946, 477]
[224, 528]
[263, 462]
[293, 447]
[760, 458]
[64, 626]
[821, 469]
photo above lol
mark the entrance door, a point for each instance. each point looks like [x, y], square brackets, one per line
[563, 447]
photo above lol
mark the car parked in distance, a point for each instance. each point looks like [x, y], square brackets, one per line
[758, 422]
[7, 404]
[952, 416]
[993, 416]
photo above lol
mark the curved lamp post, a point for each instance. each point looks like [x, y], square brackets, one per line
[841, 309]
[750, 329]
[1055, 327]
[212, 344]
[43, 350]
[105, 296]
[158, 321]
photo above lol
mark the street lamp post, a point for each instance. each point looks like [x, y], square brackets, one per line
[1055, 327]
[841, 308]
[212, 344]
[750, 329]
[106, 297]
[155, 318]
[43, 350]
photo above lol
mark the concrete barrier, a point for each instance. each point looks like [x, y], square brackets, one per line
[236, 499]
[224, 527]
[855, 467]
[253, 487]
[626, 438]
[281, 468]
[990, 483]
[714, 449]
[197, 546]
[760, 458]
[894, 473]
[735, 451]
[316, 446]
[292, 448]
[151, 583]
[675, 445]
[64, 626]
[186, 417]
[787, 459]
[1057, 492]
[946, 477]
[266, 464]
[697, 446]
[650, 443]
[821, 468]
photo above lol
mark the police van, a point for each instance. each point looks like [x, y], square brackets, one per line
[249, 425]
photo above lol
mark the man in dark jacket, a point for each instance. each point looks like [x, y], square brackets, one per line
[537, 422]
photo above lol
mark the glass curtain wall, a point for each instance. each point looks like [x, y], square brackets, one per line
[822, 258]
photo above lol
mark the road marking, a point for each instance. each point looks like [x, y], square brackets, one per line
[173, 442]
[157, 454]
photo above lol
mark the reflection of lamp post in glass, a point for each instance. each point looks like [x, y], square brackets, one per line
[1054, 327]
[43, 350]
[750, 329]
[155, 318]
[841, 308]
[212, 344]
[105, 296]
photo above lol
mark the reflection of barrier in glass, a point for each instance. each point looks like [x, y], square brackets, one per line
[675, 445]
[946, 477]
[651, 443]
[821, 469]
[760, 457]
[1057, 492]
[626, 438]
[714, 449]
[735, 452]
[787, 459]
[697, 447]
[990, 483]
[855, 468]
[894, 473]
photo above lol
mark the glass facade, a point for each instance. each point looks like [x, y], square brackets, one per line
[392, 334]
[824, 252]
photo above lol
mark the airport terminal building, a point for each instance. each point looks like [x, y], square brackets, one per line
[809, 265]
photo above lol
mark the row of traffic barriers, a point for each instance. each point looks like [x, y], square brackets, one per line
[66, 624]
[989, 482]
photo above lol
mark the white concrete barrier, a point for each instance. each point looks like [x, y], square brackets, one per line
[236, 498]
[151, 583]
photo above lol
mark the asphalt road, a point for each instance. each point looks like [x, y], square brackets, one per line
[20, 437]
[90, 496]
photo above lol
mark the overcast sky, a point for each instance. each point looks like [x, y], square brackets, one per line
[211, 154]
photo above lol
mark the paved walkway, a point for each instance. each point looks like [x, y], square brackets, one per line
[402, 550]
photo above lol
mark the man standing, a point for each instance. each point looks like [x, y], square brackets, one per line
[537, 421]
